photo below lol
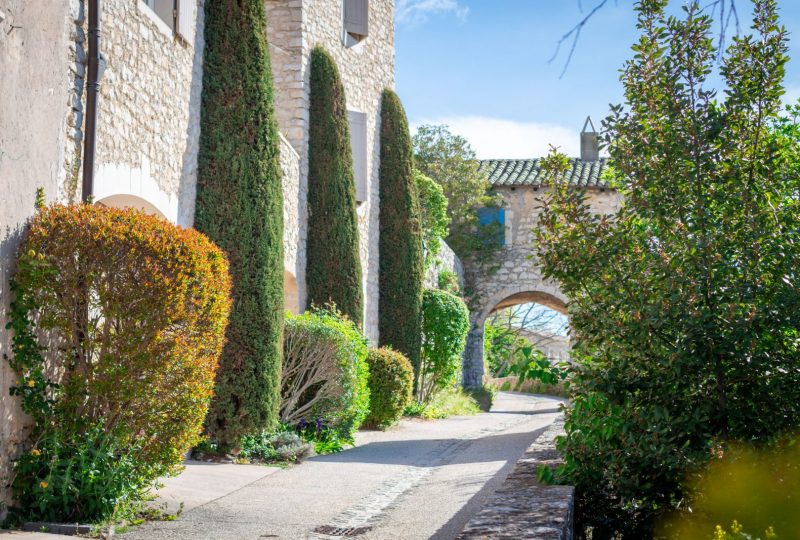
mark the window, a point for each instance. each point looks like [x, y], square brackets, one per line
[358, 143]
[356, 21]
[492, 225]
[178, 16]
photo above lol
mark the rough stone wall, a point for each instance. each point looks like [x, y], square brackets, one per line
[290, 168]
[294, 28]
[445, 260]
[149, 110]
[518, 276]
[523, 507]
[35, 98]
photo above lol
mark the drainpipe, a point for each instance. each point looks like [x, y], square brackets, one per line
[92, 91]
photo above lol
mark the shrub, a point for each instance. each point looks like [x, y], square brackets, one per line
[445, 324]
[444, 403]
[391, 381]
[132, 313]
[333, 269]
[433, 216]
[240, 207]
[401, 259]
[325, 372]
[275, 446]
[448, 281]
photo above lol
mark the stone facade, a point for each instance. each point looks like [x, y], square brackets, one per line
[290, 168]
[518, 279]
[294, 28]
[149, 112]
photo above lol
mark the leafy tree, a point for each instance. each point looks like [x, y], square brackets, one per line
[684, 304]
[240, 207]
[450, 162]
[433, 216]
[333, 270]
[401, 259]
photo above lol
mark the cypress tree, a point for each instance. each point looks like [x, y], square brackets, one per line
[240, 207]
[333, 271]
[401, 257]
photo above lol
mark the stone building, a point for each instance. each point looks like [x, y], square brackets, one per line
[522, 185]
[148, 121]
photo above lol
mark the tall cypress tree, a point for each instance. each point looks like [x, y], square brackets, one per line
[240, 207]
[333, 271]
[401, 258]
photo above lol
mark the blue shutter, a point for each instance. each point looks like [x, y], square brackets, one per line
[487, 216]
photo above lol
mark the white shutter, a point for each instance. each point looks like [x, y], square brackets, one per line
[358, 143]
[356, 17]
[186, 19]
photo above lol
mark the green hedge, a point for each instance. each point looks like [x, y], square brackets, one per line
[401, 259]
[333, 270]
[240, 207]
[325, 372]
[391, 381]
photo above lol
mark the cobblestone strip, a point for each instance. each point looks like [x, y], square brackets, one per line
[368, 511]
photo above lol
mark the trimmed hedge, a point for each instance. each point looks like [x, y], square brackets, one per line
[240, 207]
[325, 375]
[445, 325]
[118, 322]
[401, 257]
[333, 270]
[391, 383]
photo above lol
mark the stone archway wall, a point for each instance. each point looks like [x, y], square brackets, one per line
[517, 281]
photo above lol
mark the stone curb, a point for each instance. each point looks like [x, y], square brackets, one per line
[523, 507]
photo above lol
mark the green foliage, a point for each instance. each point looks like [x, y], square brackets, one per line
[532, 365]
[684, 304]
[391, 383]
[333, 269]
[444, 403]
[88, 477]
[445, 324]
[433, 216]
[283, 445]
[326, 374]
[448, 281]
[743, 486]
[450, 162]
[483, 396]
[401, 258]
[136, 308]
[240, 207]
[502, 347]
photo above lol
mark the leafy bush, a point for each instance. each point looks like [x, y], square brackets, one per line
[448, 281]
[391, 383]
[684, 303]
[325, 372]
[277, 446]
[333, 269]
[240, 207]
[444, 403]
[445, 324]
[401, 260]
[118, 322]
[433, 216]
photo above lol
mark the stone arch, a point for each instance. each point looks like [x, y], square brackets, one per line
[124, 200]
[536, 291]
[291, 293]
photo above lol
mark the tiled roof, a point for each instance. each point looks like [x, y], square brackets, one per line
[528, 172]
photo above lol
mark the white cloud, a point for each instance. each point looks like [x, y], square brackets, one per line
[792, 95]
[417, 11]
[496, 138]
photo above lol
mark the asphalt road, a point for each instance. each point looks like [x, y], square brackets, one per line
[417, 480]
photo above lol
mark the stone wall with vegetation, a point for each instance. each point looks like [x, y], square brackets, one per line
[446, 260]
[293, 29]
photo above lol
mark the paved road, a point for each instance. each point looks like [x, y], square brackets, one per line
[417, 480]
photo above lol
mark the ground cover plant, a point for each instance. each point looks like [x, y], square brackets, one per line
[391, 384]
[118, 322]
[684, 304]
[240, 207]
[324, 386]
[333, 270]
[401, 262]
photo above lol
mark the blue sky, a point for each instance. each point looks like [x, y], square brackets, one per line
[481, 66]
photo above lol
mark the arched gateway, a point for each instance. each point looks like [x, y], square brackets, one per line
[518, 279]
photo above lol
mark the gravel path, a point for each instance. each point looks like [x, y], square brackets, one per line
[417, 480]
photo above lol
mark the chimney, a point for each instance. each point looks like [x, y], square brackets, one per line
[590, 142]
